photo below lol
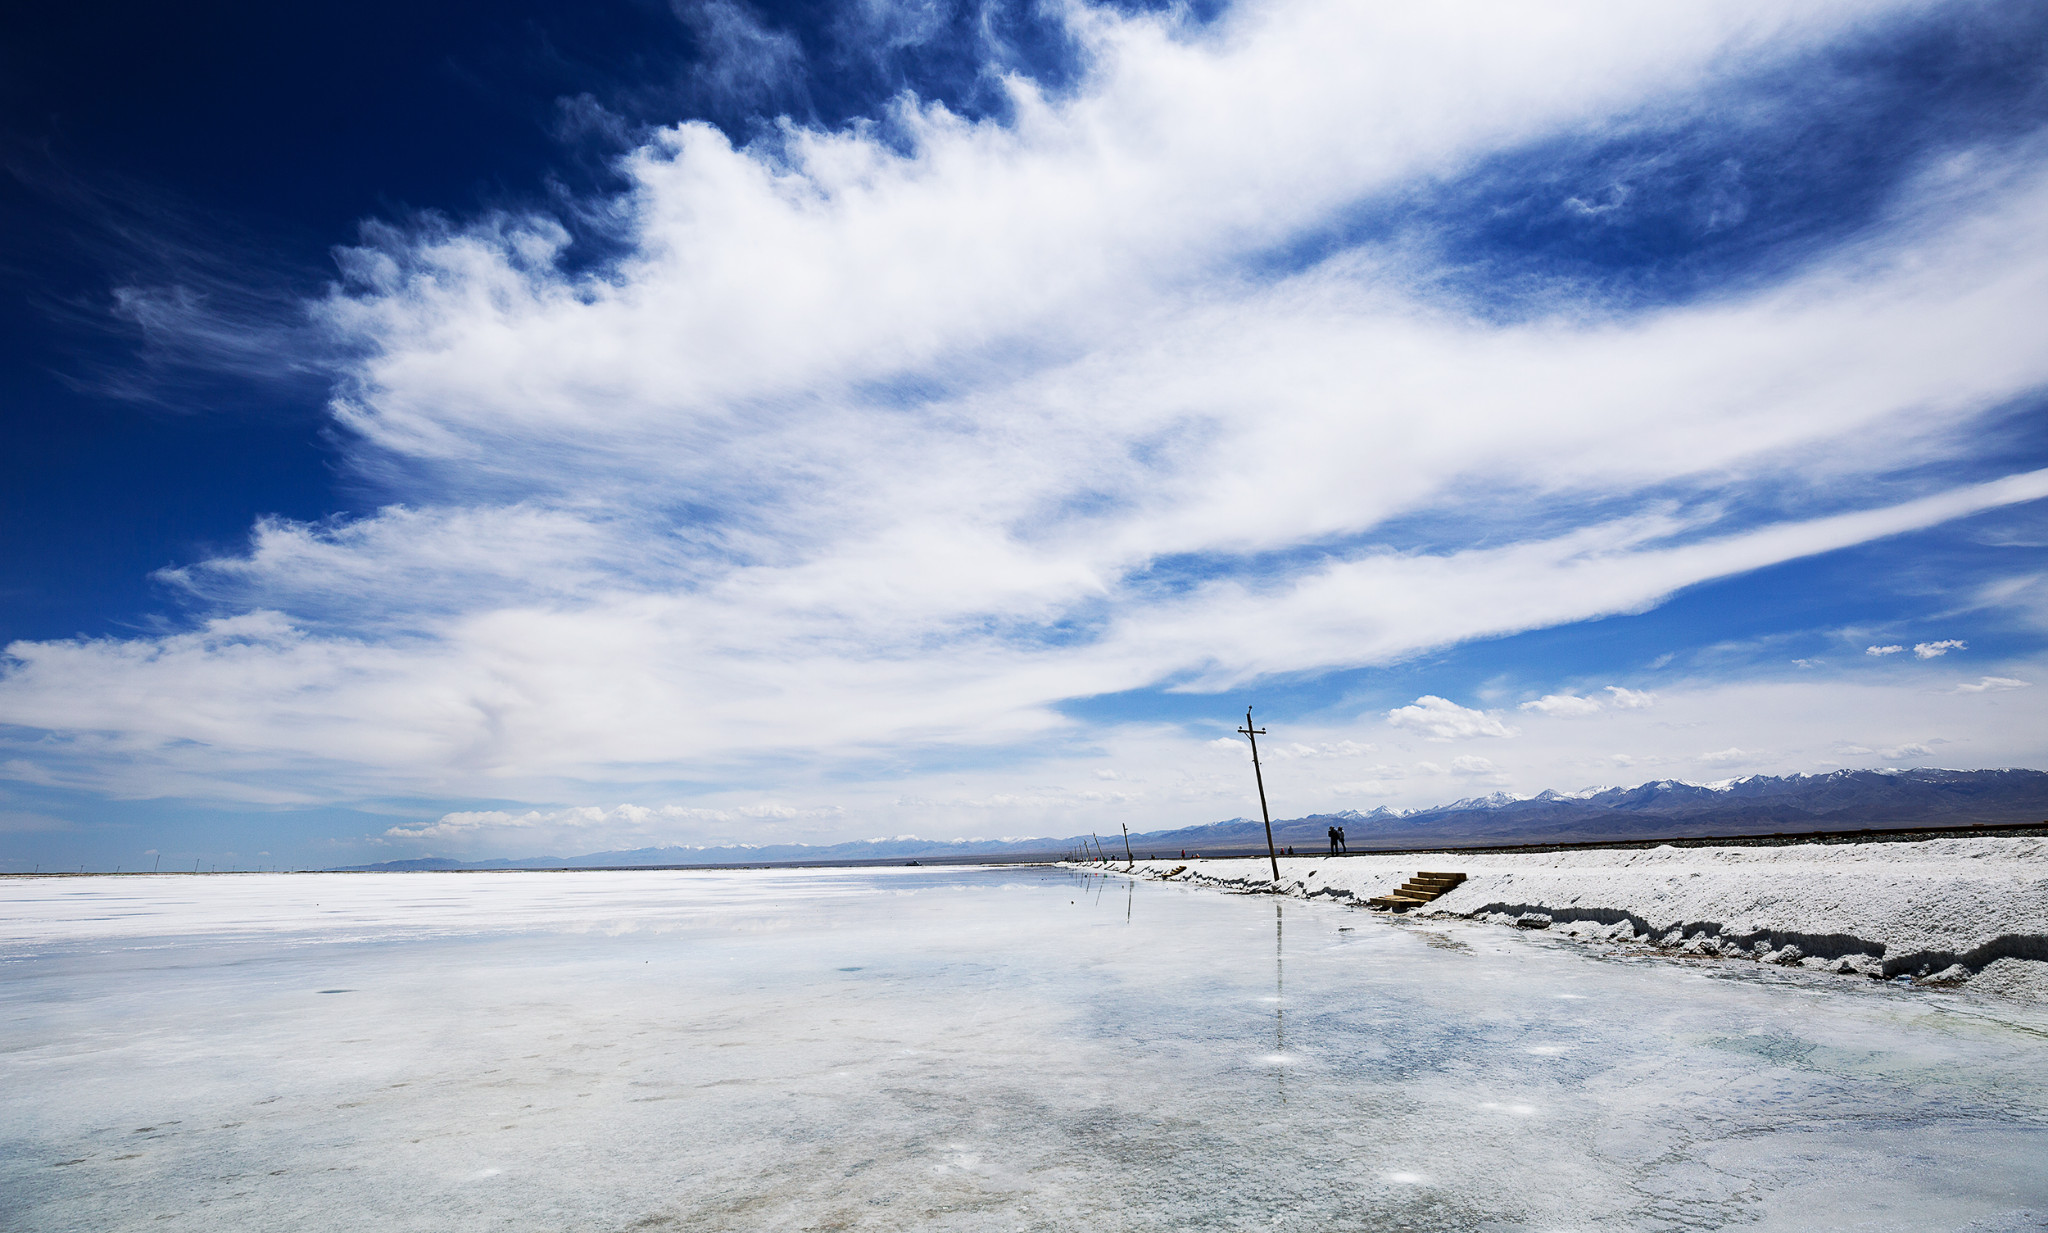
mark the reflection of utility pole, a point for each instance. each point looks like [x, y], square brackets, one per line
[1255, 734]
[1279, 1002]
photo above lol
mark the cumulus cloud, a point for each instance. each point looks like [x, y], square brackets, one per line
[1893, 649]
[1441, 719]
[1930, 650]
[901, 435]
[1569, 706]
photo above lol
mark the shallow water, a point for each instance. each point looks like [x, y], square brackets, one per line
[955, 1049]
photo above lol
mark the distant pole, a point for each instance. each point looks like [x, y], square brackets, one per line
[1254, 734]
[1127, 843]
[159, 863]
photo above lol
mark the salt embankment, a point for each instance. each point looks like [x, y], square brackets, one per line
[1938, 911]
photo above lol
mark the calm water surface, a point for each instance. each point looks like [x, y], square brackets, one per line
[955, 1049]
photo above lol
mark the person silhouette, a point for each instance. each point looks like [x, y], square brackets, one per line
[1333, 841]
[1340, 839]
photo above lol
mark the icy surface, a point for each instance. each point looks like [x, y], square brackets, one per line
[956, 1049]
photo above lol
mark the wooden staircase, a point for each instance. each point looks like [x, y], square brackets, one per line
[1417, 891]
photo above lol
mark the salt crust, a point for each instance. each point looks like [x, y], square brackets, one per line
[1939, 911]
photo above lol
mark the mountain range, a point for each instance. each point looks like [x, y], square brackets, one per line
[1662, 809]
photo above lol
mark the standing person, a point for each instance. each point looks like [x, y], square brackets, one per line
[1340, 840]
[1333, 841]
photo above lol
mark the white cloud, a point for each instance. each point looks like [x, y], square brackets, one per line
[1893, 649]
[1991, 684]
[1805, 723]
[1323, 749]
[1563, 705]
[589, 827]
[1441, 719]
[871, 438]
[1930, 650]
[1569, 706]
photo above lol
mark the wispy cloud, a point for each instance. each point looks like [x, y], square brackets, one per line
[1991, 684]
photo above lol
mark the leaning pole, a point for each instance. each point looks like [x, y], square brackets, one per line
[1254, 734]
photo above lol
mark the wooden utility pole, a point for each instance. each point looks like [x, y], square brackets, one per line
[1254, 734]
[1128, 858]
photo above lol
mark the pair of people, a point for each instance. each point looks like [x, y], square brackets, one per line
[1336, 840]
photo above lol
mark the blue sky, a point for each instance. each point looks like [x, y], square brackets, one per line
[530, 428]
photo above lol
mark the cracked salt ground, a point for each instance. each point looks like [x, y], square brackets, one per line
[956, 1049]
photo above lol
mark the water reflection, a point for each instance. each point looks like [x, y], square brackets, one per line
[920, 1049]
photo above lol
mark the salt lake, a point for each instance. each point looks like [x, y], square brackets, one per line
[970, 1048]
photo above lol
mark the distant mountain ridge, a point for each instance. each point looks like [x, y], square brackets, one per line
[1754, 804]
[1664, 808]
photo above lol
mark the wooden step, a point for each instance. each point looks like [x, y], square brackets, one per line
[1418, 890]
